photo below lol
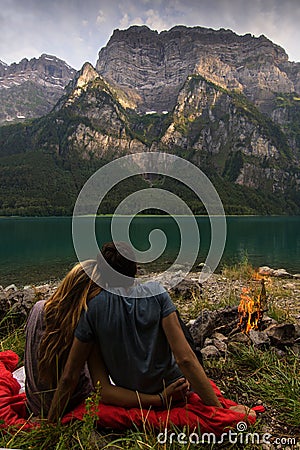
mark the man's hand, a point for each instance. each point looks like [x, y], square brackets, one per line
[176, 391]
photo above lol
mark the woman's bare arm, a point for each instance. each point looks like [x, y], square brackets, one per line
[68, 381]
[116, 395]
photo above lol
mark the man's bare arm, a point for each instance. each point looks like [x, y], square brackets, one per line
[190, 366]
[68, 381]
[187, 360]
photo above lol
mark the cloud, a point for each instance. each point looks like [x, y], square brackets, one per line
[127, 21]
[101, 17]
[75, 31]
[124, 22]
[153, 20]
[150, 17]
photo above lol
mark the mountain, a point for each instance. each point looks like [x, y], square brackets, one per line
[153, 66]
[32, 87]
[228, 103]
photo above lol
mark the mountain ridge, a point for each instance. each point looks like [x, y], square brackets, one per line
[145, 61]
[31, 88]
[245, 138]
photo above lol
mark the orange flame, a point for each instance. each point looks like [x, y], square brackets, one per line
[251, 307]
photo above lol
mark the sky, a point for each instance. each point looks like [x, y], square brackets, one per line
[75, 30]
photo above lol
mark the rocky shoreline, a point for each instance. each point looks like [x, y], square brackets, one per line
[189, 294]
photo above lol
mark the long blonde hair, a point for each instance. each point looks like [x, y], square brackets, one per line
[61, 315]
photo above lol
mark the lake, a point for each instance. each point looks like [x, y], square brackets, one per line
[34, 250]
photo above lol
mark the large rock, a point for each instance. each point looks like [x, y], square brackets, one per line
[282, 273]
[15, 304]
[222, 320]
[282, 335]
[210, 352]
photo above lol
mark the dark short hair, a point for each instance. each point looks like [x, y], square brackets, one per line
[122, 261]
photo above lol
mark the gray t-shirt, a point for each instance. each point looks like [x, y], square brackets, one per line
[39, 396]
[131, 338]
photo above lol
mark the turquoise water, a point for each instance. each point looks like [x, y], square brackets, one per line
[38, 249]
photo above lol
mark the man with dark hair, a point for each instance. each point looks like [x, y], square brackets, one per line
[121, 259]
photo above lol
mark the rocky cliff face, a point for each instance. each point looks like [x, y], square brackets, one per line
[32, 87]
[154, 66]
[223, 131]
[3, 66]
[104, 131]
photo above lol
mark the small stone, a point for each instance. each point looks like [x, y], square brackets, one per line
[185, 289]
[208, 341]
[267, 321]
[221, 346]
[296, 349]
[259, 402]
[191, 322]
[280, 353]
[42, 287]
[210, 352]
[240, 338]
[11, 287]
[219, 336]
[265, 270]
[281, 273]
[259, 338]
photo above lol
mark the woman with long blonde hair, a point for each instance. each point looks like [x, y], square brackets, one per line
[49, 335]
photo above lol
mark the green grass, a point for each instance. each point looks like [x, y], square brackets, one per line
[262, 375]
[242, 270]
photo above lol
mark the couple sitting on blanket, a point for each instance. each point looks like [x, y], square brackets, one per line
[131, 335]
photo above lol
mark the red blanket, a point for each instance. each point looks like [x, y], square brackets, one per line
[193, 414]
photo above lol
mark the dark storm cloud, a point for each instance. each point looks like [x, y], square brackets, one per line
[75, 30]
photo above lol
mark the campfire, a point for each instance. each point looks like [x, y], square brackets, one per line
[252, 305]
[231, 327]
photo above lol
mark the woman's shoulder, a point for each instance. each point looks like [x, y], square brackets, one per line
[38, 307]
[36, 314]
